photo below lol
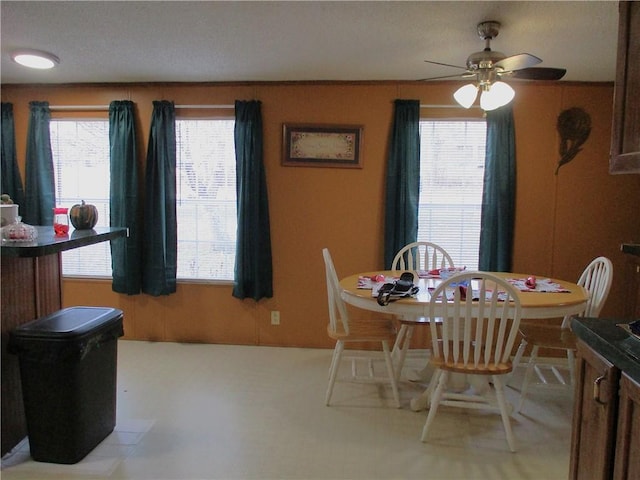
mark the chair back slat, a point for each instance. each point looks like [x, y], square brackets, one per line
[596, 280]
[421, 256]
[337, 307]
[479, 327]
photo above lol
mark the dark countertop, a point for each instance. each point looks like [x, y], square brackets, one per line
[47, 243]
[631, 248]
[614, 343]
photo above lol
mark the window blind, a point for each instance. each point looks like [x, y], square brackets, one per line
[206, 199]
[451, 177]
[80, 152]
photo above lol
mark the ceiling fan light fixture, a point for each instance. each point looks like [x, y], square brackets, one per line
[35, 59]
[496, 96]
[466, 95]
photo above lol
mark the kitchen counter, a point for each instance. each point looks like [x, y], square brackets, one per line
[614, 343]
[47, 243]
[31, 287]
[631, 248]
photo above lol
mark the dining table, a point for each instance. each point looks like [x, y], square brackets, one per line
[562, 299]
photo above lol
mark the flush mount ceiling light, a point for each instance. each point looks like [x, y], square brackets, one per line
[35, 59]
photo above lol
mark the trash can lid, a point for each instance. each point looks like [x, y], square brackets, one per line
[69, 322]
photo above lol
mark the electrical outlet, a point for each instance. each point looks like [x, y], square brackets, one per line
[275, 317]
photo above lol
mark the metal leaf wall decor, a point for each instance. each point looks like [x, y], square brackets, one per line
[574, 127]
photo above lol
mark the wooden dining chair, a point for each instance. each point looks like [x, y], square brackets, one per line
[479, 327]
[596, 279]
[421, 257]
[417, 257]
[345, 329]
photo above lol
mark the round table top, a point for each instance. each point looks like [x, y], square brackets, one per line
[533, 304]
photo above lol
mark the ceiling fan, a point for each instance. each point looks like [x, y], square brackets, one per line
[487, 68]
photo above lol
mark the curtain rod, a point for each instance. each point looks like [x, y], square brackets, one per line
[453, 105]
[106, 107]
[95, 108]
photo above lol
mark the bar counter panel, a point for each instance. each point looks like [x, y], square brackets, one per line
[31, 287]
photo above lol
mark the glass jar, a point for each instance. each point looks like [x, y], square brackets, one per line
[18, 232]
[61, 221]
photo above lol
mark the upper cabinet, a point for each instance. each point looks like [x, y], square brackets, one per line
[625, 138]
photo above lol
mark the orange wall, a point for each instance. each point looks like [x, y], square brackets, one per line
[562, 221]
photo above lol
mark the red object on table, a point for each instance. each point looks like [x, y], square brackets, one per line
[61, 221]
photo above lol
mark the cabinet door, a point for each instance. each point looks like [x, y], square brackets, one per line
[29, 288]
[627, 465]
[632, 281]
[594, 416]
[625, 135]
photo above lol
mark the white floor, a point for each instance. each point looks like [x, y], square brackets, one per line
[190, 411]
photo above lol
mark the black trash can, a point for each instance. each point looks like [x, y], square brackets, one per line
[68, 364]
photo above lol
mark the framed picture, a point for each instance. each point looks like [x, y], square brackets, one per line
[306, 145]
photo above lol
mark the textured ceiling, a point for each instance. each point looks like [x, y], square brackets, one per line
[203, 41]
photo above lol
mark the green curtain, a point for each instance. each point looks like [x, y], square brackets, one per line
[253, 275]
[499, 193]
[403, 179]
[123, 198]
[40, 194]
[160, 242]
[9, 172]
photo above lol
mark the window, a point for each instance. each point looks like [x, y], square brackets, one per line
[206, 199]
[206, 194]
[80, 151]
[451, 176]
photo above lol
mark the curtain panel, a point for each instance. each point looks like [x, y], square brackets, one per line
[253, 274]
[123, 198]
[9, 172]
[499, 193]
[160, 240]
[40, 197]
[403, 179]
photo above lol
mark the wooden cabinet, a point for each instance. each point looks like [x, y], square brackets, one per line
[625, 137]
[632, 282]
[30, 288]
[605, 440]
[594, 416]
[627, 458]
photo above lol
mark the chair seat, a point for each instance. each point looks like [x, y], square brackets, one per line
[451, 365]
[459, 367]
[548, 336]
[364, 330]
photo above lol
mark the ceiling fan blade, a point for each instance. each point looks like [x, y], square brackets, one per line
[457, 75]
[539, 73]
[446, 64]
[518, 62]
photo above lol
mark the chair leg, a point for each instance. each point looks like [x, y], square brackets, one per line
[517, 358]
[397, 345]
[423, 401]
[335, 363]
[403, 347]
[504, 411]
[391, 372]
[435, 402]
[527, 377]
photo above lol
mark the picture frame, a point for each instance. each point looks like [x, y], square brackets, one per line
[317, 145]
